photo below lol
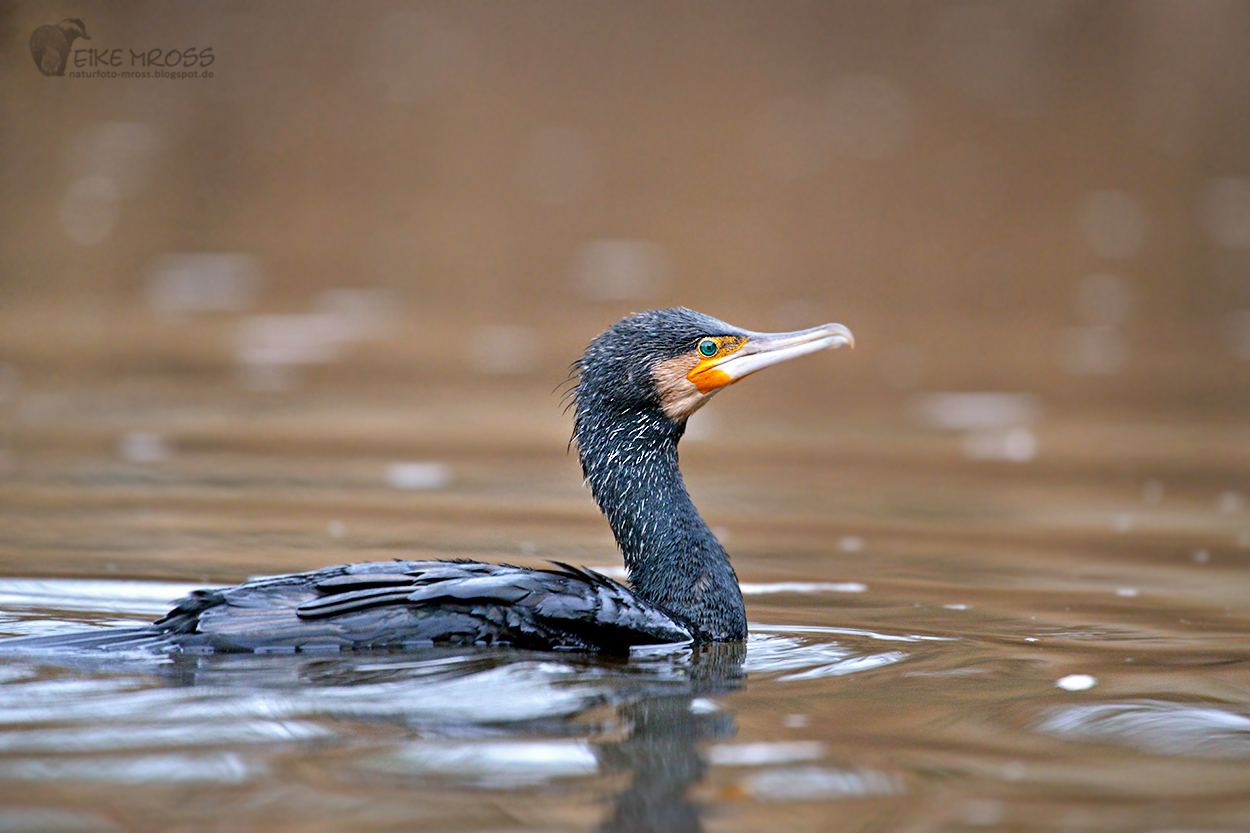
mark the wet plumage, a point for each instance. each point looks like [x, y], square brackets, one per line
[636, 384]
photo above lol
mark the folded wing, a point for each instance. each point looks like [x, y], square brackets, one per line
[406, 604]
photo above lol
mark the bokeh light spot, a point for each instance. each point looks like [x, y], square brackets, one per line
[203, 282]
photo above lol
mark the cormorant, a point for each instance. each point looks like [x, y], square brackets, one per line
[636, 385]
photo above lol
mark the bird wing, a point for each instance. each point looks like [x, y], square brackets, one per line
[412, 603]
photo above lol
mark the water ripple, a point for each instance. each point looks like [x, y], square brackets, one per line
[225, 768]
[499, 765]
[131, 736]
[808, 660]
[814, 783]
[1156, 727]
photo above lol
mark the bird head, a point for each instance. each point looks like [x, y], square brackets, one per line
[677, 359]
[74, 28]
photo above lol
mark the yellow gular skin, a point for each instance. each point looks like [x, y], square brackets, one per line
[704, 375]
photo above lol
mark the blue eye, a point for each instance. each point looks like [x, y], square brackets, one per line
[707, 347]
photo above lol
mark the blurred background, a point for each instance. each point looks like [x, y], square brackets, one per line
[386, 228]
[317, 307]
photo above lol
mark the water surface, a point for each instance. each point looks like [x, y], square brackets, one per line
[938, 642]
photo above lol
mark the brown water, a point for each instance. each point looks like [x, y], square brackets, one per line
[938, 642]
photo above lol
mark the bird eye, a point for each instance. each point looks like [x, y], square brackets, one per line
[707, 347]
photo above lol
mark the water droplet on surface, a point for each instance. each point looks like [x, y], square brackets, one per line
[851, 543]
[1201, 556]
[1076, 682]
[1152, 492]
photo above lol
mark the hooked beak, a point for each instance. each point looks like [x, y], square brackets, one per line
[761, 350]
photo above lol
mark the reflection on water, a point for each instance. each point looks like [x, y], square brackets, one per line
[467, 719]
[494, 720]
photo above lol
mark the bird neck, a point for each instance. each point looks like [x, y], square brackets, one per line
[674, 560]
